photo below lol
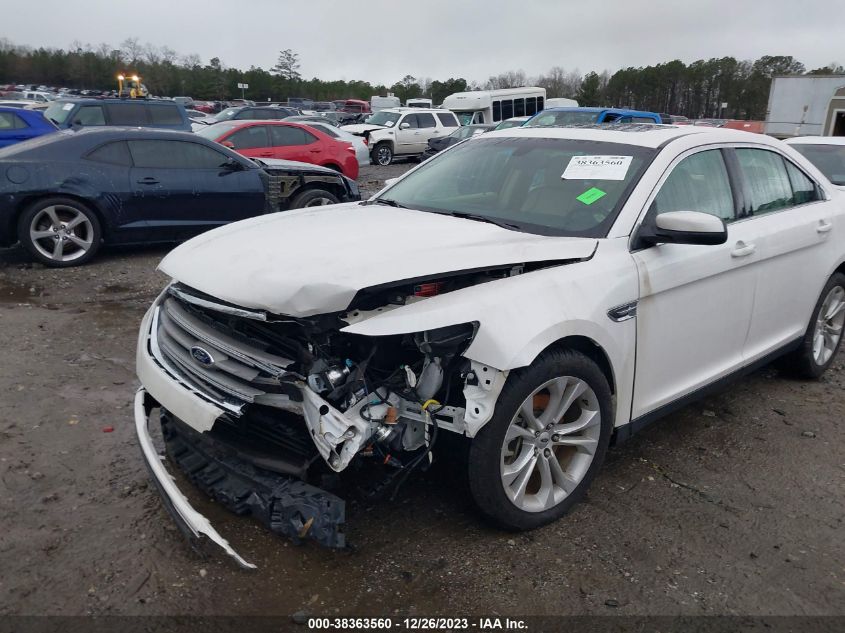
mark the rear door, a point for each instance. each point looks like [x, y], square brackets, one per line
[128, 113]
[796, 245]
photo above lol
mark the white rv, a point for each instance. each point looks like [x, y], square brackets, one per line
[560, 102]
[419, 103]
[492, 106]
[382, 103]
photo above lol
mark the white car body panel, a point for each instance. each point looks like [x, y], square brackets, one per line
[250, 250]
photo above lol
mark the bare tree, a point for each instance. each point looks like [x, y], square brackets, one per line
[152, 54]
[509, 79]
[192, 61]
[132, 49]
[168, 55]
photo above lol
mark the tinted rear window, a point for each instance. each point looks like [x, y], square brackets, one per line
[165, 114]
[127, 113]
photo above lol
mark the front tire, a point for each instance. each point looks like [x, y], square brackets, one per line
[313, 198]
[60, 232]
[547, 438]
[824, 335]
[382, 154]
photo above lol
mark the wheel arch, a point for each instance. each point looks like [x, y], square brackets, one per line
[25, 203]
[592, 350]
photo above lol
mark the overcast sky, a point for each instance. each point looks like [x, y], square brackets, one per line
[383, 40]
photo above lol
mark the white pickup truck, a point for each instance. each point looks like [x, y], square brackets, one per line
[403, 131]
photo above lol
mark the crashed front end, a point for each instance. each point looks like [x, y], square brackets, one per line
[256, 408]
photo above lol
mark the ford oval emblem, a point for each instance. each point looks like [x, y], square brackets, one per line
[202, 356]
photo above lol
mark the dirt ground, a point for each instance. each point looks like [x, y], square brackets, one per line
[731, 506]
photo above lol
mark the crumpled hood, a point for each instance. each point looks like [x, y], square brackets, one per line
[359, 129]
[314, 260]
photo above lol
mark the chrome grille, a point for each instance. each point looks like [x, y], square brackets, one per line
[236, 372]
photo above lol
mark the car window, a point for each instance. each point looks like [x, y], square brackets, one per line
[249, 137]
[246, 114]
[424, 119]
[11, 121]
[411, 120]
[828, 159]
[175, 155]
[698, 183]
[284, 135]
[766, 179]
[127, 113]
[90, 115]
[166, 114]
[325, 129]
[804, 190]
[116, 153]
[447, 119]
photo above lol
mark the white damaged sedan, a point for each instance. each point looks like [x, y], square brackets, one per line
[539, 292]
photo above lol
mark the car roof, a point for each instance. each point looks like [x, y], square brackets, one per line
[594, 109]
[401, 110]
[816, 140]
[642, 134]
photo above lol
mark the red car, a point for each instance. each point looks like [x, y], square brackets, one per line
[289, 141]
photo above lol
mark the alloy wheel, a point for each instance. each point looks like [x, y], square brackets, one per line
[61, 233]
[829, 322]
[550, 444]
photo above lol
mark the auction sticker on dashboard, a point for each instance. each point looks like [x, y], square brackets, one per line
[597, 168]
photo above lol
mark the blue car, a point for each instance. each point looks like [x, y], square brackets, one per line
[17, 124]
[587, 116]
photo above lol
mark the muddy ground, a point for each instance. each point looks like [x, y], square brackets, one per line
[731, 506]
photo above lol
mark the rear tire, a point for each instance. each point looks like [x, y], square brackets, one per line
[824, 334]
[313, 198]
[60, 232]
[546, 440]
[382, 154]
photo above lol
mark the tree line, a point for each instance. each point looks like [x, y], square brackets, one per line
[696, 90]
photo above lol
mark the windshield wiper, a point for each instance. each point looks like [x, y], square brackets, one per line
[484, 218]
[388, 202]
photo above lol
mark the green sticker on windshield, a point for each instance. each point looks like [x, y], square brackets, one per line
[591, 195]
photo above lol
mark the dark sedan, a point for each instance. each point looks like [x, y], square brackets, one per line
[462, 133]
[62, 195]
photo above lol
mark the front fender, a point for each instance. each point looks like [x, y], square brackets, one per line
[521, 316]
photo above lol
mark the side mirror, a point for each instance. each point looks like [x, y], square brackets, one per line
[404, 126]
[232, 165]
[684, 227]
[228, 144]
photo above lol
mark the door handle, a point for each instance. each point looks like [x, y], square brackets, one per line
[266, 155]
[149, 180]
[824, 226]
[741, 249]
[314, 151]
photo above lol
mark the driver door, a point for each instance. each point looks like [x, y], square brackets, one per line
[696, 301]
[407, 135]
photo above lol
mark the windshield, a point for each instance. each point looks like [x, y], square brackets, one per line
[519, 182]
[213, 132]
[562, 117]
[58, 112]
[829, 159]
[465, 117]
[387, 119]
[225, 115]
[504, 125]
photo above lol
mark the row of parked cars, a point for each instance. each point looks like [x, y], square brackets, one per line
[278, 139]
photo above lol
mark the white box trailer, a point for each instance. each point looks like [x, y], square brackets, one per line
[806, 105]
